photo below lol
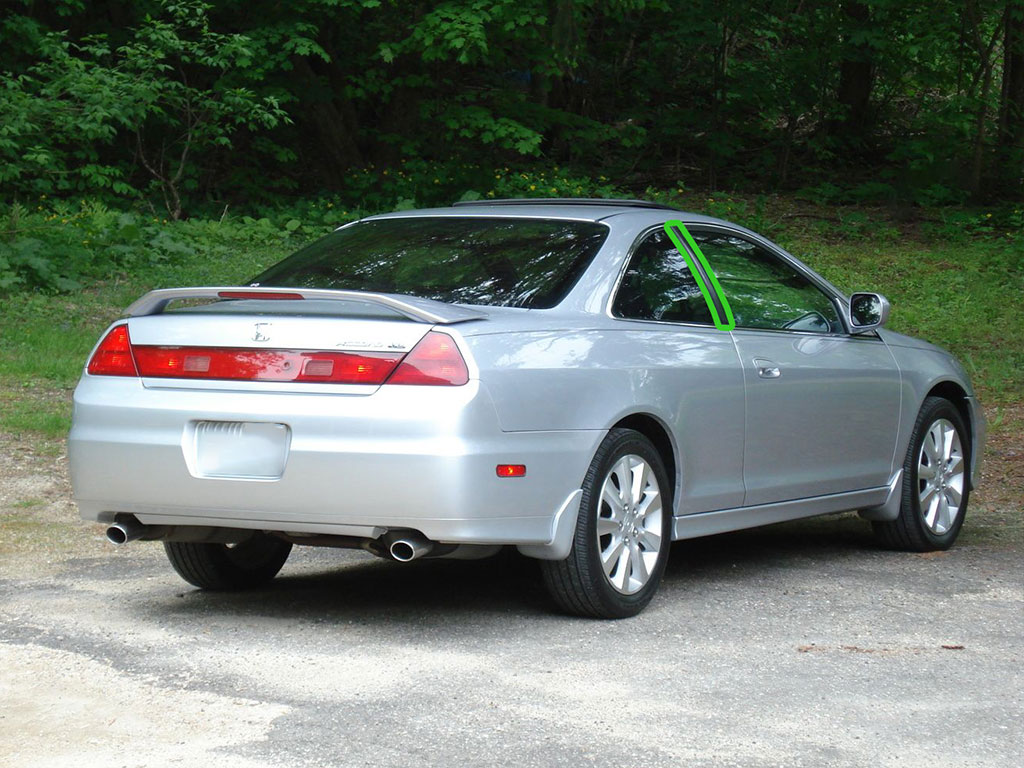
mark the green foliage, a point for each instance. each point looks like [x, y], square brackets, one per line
[63, 246]
[407, 184]
[57, 116]
[59, 247]
[556, 182]
[168, 89]
[418, 183]
[167, 58]
[479, 123]
[189, 105]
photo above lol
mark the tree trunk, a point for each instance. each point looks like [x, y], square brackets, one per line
[782, 167]
[333, 122]
[856, 79]
[980, 124]
[985, 75]
[718, 90]
[1011, 102]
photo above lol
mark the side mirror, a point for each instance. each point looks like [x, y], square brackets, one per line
[868, 311]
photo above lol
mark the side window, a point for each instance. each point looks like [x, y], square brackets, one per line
[763, 291]
[658, 286]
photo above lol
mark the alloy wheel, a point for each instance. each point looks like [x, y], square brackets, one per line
[629, 524]
[940, 476]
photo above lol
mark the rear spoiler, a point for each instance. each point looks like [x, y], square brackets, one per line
[414, 308]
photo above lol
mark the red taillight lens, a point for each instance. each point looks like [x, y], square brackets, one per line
[236, 364]
[436, 361]
[113, 357]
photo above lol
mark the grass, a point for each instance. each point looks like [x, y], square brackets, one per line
[963, 297]
[959, 289]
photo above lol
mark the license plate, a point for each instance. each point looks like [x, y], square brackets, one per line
[242, 450]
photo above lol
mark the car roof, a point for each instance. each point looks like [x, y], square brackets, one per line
[580, 209]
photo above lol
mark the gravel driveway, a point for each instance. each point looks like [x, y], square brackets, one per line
[796, 645]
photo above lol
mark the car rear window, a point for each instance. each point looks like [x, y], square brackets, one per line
[510, 262]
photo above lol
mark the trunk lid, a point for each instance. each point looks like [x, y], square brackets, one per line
[345, 343]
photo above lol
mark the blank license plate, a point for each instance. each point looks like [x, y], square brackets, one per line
[241, 449]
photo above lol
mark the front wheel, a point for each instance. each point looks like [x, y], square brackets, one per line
[249, 563]
[623, 532]
[935, 482]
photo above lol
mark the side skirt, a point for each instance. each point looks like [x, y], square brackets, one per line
[724, 520]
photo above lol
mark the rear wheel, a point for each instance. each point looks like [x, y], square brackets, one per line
[623, 532]
[249, 563]
[935, 482]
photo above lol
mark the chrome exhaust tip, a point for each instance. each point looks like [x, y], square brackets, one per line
[409, 548]
[125, 530]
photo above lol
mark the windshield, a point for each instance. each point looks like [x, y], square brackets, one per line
[510, 262]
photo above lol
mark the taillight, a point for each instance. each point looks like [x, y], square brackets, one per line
[240, 364]
[436, 360]
[113, 357]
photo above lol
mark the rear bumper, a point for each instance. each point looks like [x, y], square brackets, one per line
[404, 457]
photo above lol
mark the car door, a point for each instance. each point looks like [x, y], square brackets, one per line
[687, 371]
[822, 406]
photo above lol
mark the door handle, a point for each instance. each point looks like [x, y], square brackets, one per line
[766, 369]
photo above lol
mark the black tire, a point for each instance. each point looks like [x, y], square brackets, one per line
[910, 531]
[250, 563]
[578, 584]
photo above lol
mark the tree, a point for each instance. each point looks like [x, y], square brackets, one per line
[881, 99]
[169, 88]
[184, 94]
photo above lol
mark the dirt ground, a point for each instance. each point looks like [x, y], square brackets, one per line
[798, 644]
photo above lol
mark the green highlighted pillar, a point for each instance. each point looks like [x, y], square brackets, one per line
[721, 312]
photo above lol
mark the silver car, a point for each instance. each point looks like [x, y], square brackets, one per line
[584, 380]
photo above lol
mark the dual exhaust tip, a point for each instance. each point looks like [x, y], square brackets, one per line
[403, 548]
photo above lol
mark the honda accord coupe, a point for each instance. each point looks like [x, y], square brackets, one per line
[584, 380]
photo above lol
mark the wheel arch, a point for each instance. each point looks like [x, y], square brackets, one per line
[962, 401]
[957, 395]
[654, 429]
